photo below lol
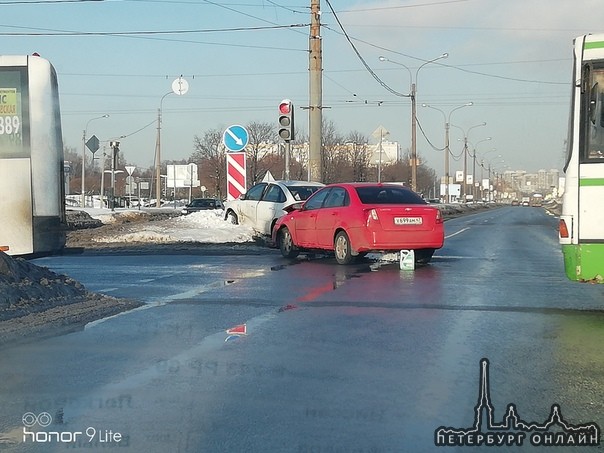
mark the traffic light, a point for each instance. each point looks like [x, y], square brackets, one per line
[286, 120]
[115, 149]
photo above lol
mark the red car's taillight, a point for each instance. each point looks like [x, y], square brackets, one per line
[371, 215]
[439, 216]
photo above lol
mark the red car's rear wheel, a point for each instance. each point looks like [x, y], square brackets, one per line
[342, 249]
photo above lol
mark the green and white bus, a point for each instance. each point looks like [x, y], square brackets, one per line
[581, 229]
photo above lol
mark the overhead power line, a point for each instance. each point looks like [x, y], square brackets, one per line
[37, 2]
[50, 32]
[360, 57]
[419, 5]
[459, 68]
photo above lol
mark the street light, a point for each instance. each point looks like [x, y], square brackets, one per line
[474, 165]
[158, 153]
[465, 152]
[489, 172]
[180, 87]
[83, 195]
[496, 172]
[447, 149]
[412, 95]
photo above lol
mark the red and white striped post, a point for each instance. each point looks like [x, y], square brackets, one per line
[236, 175]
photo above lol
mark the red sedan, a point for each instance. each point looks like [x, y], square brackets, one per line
[352, 219]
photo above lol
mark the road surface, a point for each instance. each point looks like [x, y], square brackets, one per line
[360, 358]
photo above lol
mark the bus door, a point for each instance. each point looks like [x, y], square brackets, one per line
[16, 227]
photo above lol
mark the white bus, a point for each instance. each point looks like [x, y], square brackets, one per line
[31, 158]
[581, 229]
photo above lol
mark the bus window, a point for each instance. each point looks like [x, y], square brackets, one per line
[13, 112]
[594, 136]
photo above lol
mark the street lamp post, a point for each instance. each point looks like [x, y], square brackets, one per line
[483, 168]
[447, 148]
[83, 194]
[496, 172]
[158, 153]
[115, 148]
[180, 87]
[489, 171]
[474, 166]
[465, 160]
[412, 95]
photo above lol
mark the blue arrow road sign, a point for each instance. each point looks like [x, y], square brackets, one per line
[235, 138]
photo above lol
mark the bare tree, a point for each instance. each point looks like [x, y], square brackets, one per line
[210, 155]
[299, 156]
[261, 144]
[400, 171]
[427, 180]
[331, 155]
[359, 155]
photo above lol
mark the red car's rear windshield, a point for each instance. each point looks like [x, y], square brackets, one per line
[388, 195]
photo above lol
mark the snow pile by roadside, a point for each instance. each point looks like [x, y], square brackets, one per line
[203, 227]
[21, 281]
[34, 301]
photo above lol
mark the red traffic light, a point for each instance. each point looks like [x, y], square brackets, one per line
[286, 120]
[285, 107]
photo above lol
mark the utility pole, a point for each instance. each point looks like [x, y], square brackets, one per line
[379, 178]
[464, 189]
[115, 149]
[315, 115]
[447, 151]
[413, 138]
[158, 158]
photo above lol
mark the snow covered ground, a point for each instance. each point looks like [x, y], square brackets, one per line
[203, 227]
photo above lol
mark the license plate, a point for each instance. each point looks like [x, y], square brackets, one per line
[407, 220]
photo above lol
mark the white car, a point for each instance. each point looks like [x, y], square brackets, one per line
[263, 204]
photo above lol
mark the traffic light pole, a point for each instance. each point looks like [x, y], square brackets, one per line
[287, 157]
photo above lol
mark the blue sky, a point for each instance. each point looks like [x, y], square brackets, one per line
[511, 58]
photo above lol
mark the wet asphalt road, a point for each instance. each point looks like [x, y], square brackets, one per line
[360, 358]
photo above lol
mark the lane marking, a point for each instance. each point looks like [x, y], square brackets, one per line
[457, 232]
[163, 300]
[457, 257]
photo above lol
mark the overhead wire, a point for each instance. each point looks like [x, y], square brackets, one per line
[50, 32]
[360, 57]
[443, 2]
[349, 38]
[38, 2]
[375, 76]
[438, 63]
[287, 8]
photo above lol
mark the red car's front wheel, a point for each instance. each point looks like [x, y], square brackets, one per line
[286, 244]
